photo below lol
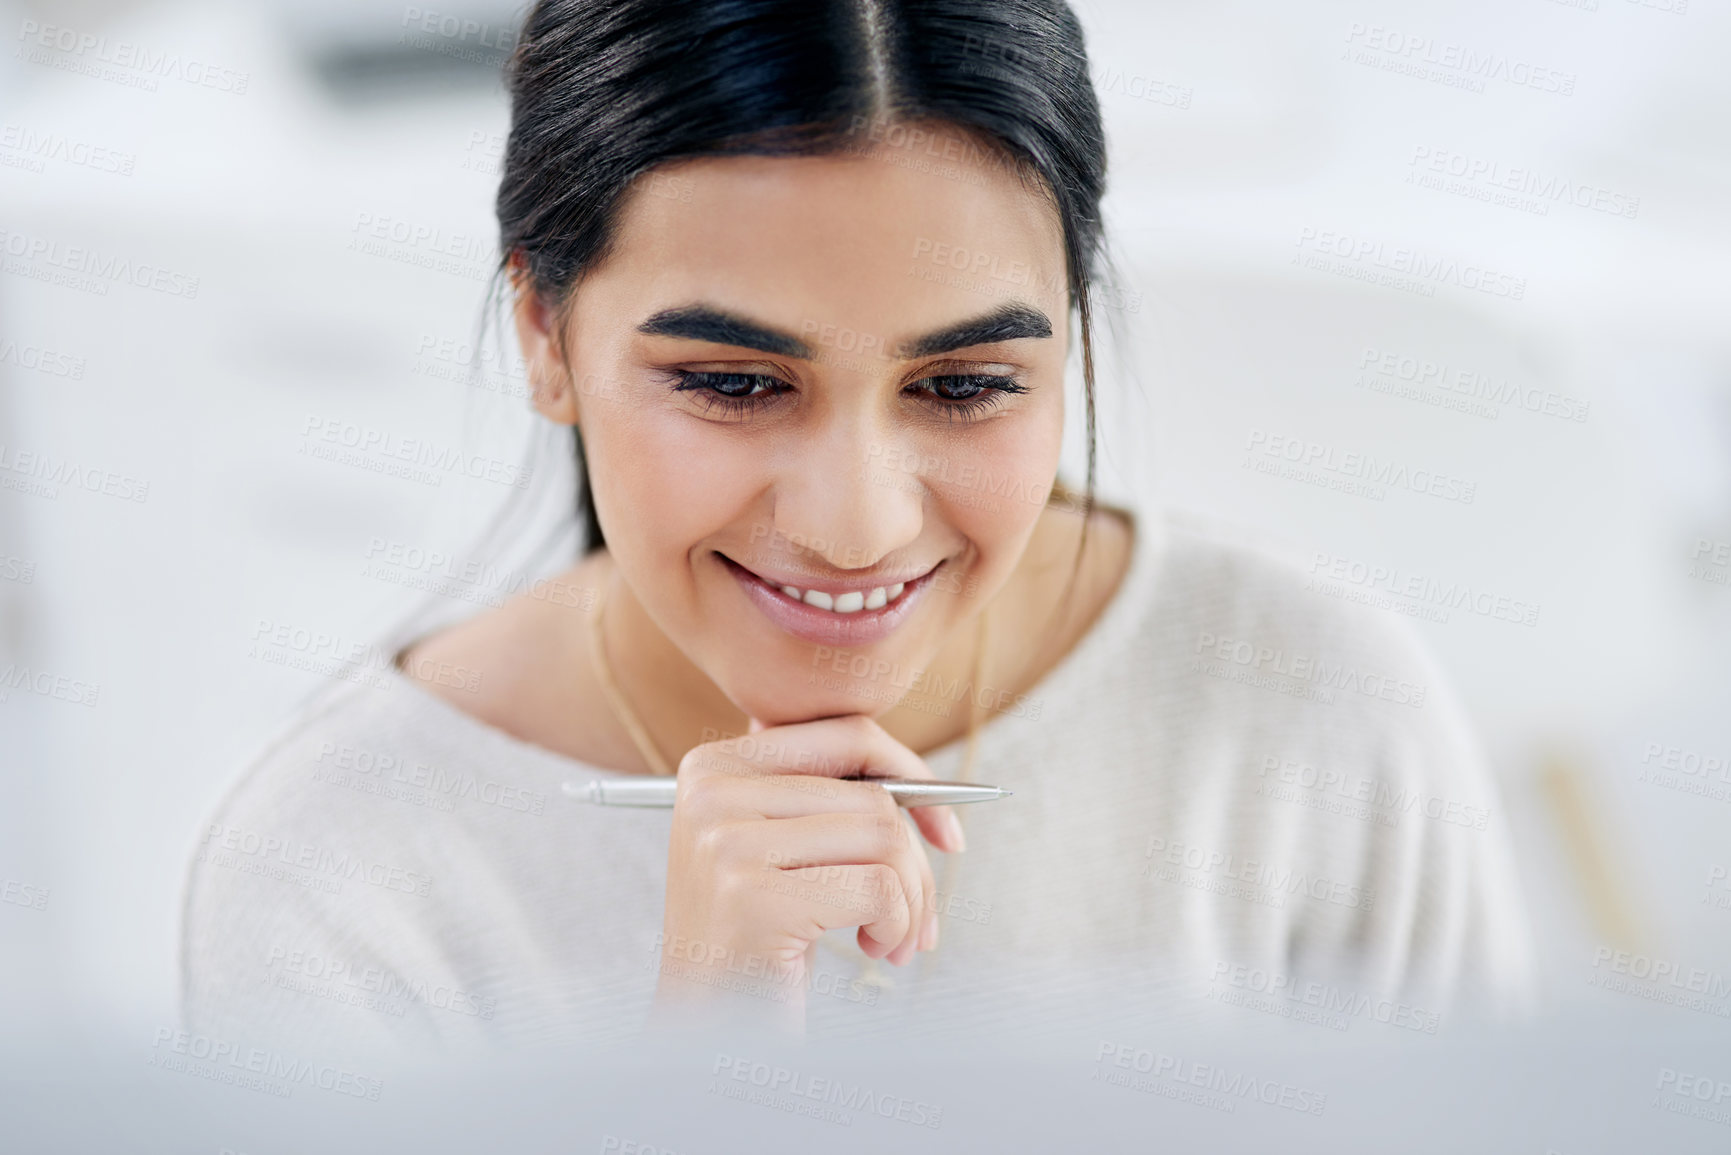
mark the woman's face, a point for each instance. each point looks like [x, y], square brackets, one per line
[822, 402]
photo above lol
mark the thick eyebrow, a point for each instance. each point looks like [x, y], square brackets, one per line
[1009, 322]
[702, 323]
[1006, 323]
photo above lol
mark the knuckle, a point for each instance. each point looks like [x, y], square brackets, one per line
[706, 845]
[715, 844]
[703, 794]
[735, 890]
[860, 728]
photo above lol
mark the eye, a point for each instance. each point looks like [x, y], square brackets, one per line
[734, 394]
[965, 396]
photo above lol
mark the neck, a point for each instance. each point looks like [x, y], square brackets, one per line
[675, 700]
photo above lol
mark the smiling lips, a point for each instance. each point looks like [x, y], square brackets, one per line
[835, 615]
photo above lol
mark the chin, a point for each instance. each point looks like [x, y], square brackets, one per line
[806, 696]
[781, 680]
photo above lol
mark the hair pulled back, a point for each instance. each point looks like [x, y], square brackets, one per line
[604, 91]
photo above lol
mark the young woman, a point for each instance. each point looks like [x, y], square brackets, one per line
[803, 278]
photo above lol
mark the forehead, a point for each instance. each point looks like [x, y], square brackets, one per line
[890, 237]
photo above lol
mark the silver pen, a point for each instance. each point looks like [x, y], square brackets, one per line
[638, 791]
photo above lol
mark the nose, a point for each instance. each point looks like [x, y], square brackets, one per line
[844, 507]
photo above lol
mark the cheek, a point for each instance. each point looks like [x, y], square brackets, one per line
[992, 486]
[665, 482]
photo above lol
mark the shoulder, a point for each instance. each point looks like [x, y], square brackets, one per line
[1278, 664]
[314, 776]
[1247, 617]
[337, 853]
[1311, 734]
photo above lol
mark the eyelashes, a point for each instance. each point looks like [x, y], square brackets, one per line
[731, 394]
[955, 396]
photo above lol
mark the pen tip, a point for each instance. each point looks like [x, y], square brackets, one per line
[1002, 793]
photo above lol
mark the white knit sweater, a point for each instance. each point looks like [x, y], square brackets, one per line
[1235, 795]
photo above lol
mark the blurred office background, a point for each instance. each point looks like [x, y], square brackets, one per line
[326, 176]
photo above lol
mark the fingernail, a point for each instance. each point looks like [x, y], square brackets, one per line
[929, 936]
[957, 838]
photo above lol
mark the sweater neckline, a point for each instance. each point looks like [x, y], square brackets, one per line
[1112, 627]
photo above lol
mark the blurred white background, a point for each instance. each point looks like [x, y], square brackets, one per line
[1265, 158]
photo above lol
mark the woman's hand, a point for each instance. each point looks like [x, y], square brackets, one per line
[770, 848]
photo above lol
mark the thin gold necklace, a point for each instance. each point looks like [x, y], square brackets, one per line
[616, 698]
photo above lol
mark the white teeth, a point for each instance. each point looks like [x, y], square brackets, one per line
[851, 602]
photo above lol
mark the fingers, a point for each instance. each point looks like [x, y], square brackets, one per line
[940, 826]
[828, 748]
[783, 843]
[724, 793]
[866, 895]
[893, 913]
[836, 747]
[813, 858]
[728, 793]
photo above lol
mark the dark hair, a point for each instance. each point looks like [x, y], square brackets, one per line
[603, 91]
